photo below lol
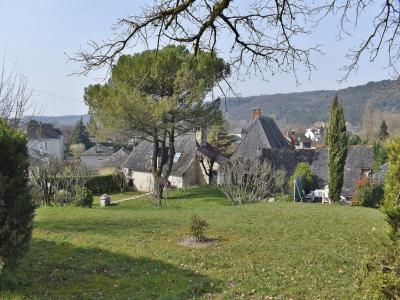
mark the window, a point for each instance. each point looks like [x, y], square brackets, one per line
[177, 156]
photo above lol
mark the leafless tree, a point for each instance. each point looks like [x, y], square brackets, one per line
[383, 39]
[47, 178]
[14, 95]
[250, 181]
[264, 34]
[120, 180]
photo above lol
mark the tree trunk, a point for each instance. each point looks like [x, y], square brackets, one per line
[158, 188]
[157, 170]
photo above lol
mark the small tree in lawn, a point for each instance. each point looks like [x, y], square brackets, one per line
[16, 207]
[337, 145]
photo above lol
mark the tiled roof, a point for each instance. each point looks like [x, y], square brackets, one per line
[37, 130]
[141, 156]
[98, 150]
[263, 134]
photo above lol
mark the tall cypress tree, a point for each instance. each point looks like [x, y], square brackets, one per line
[383, 131]
[337, 145]
[16, 206]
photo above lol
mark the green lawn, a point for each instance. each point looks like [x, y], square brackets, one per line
[129, 251]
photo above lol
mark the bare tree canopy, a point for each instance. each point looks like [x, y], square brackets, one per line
[14, 95]
[264, 35]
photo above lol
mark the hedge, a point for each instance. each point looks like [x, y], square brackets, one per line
[102, 184]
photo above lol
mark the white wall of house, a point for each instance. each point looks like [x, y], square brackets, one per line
[142, 181]
[53, 147]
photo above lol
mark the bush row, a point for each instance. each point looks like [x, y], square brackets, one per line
[102, 184]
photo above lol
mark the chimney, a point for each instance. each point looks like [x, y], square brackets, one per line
[256, 113]
[201, 135]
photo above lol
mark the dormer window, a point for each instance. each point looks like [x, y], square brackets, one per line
[177, 156]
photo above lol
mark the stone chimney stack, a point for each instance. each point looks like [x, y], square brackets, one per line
[201, 135]
[256, 113]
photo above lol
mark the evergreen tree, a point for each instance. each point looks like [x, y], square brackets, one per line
[16, 206]
[337, 145]
[392, 177]
[157, 95]
[383, 131]
[80, 135]
[219, 137]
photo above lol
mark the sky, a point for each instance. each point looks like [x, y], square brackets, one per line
[35, 37]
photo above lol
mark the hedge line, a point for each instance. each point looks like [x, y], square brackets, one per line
[102, 184]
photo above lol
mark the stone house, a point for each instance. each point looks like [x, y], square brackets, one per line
[186, 171]
[263, 134]
[95, 156]
[44, 139]
[114, 161]
[266, 143]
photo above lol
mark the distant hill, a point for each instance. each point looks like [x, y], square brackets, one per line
[306, 108]
[60, 120]
[296, 109]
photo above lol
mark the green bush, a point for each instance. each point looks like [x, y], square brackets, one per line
[303, 169]
[393, 218]
[283, 198]
[62, 197]
[369, 194]
[16, 206]
[83, 196]
[198, 228]
[102, 184]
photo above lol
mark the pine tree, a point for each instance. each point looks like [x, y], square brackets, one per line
[16, 207]
[80, 135]
[219, 138]
[337, 145]
[383, 131]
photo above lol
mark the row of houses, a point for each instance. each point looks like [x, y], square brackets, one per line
[263, 141]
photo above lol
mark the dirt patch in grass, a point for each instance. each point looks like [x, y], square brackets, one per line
[191, 242]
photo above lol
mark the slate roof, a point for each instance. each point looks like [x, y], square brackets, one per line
[379, 176]
[98, 150]
[141, 156]
[358, 158]
[35, 155]
[263, 134]
[212, 153]
[37, 130]
[117, 158]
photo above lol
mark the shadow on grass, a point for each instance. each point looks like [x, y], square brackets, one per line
[60, 270]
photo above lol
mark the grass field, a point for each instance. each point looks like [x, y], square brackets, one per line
[129, 251]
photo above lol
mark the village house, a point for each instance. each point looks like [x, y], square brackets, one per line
[266, 142]
[263, 134]
[314, 134]
[95, 156]
[44, 140]
[113, 162]
[190, 150]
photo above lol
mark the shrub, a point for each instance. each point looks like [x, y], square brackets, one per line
[250, 181]
[102, 184]
[83, 196]
[392, 178]
[393, 218]
[283, 197]
[303, 170]
[198, 228]
[62, 197]
[16, 206]
[368, 194]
